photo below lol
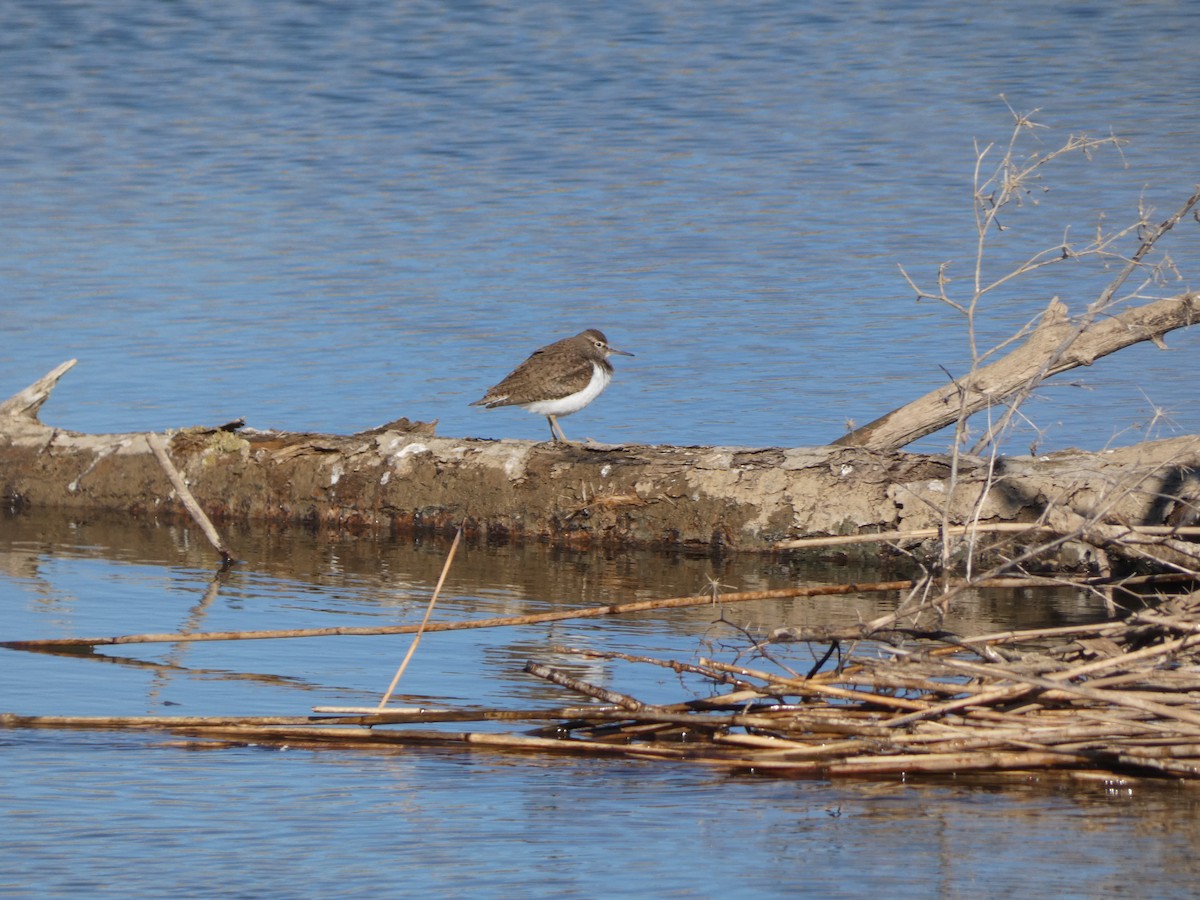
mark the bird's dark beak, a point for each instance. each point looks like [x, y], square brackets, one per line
[621, 352]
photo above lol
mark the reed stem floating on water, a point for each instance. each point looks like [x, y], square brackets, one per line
[1117, 700]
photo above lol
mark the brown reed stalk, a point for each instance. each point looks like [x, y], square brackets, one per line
[919, 534]
[387, 695]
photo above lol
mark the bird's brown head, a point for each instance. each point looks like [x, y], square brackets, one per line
[599, 343]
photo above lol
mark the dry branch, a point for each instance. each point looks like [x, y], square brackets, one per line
[503, 622]
[412, 648]
[921, 534]
[1057, 343]
[159, 448]
[562, 679]
[1042, 355]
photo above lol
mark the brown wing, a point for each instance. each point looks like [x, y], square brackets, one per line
[547, 375]
[551, 372]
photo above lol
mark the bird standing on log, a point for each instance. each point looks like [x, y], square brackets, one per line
[558, 379]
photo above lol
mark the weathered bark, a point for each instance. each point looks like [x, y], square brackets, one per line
[1041, 355]
[401, 477]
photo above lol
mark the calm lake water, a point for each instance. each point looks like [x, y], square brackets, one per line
[325, 216]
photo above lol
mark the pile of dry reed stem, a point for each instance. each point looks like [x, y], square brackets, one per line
[1110, 700]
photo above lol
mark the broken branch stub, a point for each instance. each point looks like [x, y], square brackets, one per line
[26, 403]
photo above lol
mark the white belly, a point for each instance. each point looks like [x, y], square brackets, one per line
[564, 406]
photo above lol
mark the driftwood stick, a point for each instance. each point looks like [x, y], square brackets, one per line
[562, 679]
[916, 534]
[390, 717]
[814, 688]
[159, 448]
[616, 609]
[534, 619]
[1125, 659]
[740, 695]
[1012, 692]
[368, 736]
[935, 763]
[1033, 634]
[773, 748]
[1184, 717]
[1003, 695]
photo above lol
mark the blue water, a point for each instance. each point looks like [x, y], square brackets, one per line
[154, 815]
[297, 823]
[326, 216]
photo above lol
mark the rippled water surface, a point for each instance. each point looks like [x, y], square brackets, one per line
[154, 815]
[324, 216]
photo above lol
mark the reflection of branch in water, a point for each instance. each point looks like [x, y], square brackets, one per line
[163, 670]
[171, 665]
[196, 615]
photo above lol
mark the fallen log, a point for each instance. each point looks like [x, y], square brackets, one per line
[1058, 343]
[403, 478]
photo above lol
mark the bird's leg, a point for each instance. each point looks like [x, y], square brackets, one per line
[556, 432]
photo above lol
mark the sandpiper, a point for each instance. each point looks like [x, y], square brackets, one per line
[557, 380]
